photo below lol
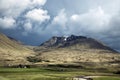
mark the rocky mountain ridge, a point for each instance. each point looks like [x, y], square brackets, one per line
[80, 42]
[76, 49]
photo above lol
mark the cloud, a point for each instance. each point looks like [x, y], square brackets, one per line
[7, 23]
[61, 18]
[95, 20]
[28, 26]
[34, 21]
[113, 34]
[38, 15]
[38, 2]
[12, 10]
[58, 24]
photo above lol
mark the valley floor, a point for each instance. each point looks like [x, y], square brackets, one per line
[53, 74]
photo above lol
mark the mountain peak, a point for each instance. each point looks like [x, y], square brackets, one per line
[76, 42]
[55, 40]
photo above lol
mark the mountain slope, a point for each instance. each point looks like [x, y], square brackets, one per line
[75, 49]
[76, 42]
[57, 50]
[12, 52]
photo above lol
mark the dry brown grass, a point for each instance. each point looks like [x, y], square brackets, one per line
[11, 52]
[69, 55]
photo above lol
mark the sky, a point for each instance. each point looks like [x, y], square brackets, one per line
[35, 21]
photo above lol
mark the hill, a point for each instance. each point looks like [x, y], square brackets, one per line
[63, 51]
[75, 42]
[12, 52]
[76, 50]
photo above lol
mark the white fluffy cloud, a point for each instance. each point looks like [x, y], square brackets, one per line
[27, 26]
[38, 15]
[61, 18]
[58, 24]
[7, 22]
[38, 2]
[12, 10]
[94, 20]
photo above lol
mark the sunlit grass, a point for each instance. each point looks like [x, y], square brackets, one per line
[49, 74]
[107, 78]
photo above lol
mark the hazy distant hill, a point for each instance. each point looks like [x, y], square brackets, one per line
[12, 52]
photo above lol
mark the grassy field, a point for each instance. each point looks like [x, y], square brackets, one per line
[52, 74]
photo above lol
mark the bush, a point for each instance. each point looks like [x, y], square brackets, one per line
[117, 72]
[33, 59]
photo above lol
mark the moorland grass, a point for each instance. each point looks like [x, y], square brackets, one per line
[50, 74]
[107, 78]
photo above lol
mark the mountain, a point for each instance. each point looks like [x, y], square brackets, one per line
[77, 42]
[12, 52]
[76, 49]
[72, 50]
